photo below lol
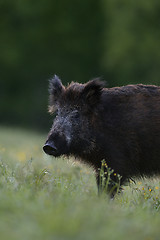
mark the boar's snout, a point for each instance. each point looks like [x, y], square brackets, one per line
[49, 148]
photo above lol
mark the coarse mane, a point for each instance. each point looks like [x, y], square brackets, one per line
[73, 92]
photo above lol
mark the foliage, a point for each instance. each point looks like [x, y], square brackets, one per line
[39, 39]
[77, 40]
[47, 198]
[131, 42]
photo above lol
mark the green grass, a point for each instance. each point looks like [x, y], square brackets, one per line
[47, 198]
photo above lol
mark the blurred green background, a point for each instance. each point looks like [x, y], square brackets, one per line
[78, 40]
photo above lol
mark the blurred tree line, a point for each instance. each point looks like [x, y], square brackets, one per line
[78, 40]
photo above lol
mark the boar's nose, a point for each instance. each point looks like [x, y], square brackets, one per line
[49, 148]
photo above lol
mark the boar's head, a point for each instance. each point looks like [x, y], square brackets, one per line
[74, 127]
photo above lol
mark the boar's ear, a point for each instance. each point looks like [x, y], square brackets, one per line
[55, 90]
[92, 91]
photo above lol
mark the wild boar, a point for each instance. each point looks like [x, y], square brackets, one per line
[120, 125]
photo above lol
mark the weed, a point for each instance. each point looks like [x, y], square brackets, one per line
[109, 180]
[47, 198]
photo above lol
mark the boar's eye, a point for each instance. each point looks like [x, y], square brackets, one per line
[76, 114]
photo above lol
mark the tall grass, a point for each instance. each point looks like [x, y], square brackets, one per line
[47, 198]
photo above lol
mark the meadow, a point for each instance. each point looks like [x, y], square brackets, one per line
[46, 198]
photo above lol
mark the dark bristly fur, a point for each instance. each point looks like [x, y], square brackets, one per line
[120, 125]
